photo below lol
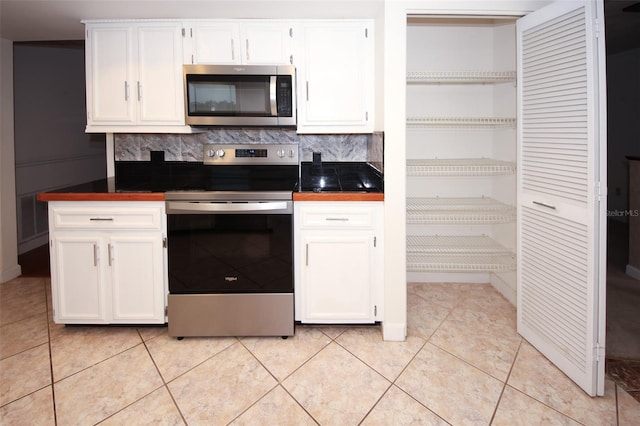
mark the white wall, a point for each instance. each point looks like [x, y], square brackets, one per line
[9, 267]
[52, 149]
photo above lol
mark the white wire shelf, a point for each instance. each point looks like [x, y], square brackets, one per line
[450, 211]
[446, 263]
[460, 167]
[455, 245]
[462, 122]
[460, 77]
[437, 253]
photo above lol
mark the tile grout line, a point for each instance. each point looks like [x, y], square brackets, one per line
[505, 384]
[164, 382]
[615, 391]
[237, 341]
[53, 388]
[458, 304]
[280, 382]
[393, 382]
[536, 399]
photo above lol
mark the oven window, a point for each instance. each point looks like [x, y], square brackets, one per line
[228, 95]
[229, 253]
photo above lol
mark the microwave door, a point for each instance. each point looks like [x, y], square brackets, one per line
[253, 98]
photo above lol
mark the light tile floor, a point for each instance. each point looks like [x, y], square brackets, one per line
[462, 363]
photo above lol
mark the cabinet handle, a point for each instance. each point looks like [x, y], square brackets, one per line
[291, 59]
[139, 91]
[306, 255]
[307, 91]
[247, 44]
[110, 253]
[101, 219]
[95, 255]
[126, 90]
[337, 219]
[549, 206]
[233, 55]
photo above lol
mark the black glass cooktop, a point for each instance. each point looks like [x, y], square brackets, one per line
[134, 176]
[340, 176]
[142, 176]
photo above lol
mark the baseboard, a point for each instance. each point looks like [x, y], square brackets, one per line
[633, 272]
[34, 243]
[448, 277]
[504, 289]
[10, 273]
[396, 332]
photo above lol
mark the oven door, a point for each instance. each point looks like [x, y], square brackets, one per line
[222, 247]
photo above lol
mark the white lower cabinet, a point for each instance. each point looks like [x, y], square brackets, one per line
[108, 262]
[338, 262]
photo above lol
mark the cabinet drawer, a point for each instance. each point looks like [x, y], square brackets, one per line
[112, 217]
[336, 217]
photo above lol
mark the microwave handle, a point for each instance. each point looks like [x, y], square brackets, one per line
[272, 95]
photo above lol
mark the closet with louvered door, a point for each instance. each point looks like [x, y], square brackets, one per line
[461, 151]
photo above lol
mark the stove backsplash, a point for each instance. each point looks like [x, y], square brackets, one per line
[178, 147]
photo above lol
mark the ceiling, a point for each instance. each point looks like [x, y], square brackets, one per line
[58, 20]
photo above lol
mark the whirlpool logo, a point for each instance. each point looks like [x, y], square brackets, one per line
[231, 279]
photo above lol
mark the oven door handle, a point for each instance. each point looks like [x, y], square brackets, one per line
[225, 207]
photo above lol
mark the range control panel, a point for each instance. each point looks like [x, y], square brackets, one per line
[244, 154]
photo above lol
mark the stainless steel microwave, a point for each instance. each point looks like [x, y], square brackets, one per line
[240, 95]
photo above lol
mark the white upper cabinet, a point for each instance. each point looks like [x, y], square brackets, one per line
[335, 64]
[233, 42]
[134, 77]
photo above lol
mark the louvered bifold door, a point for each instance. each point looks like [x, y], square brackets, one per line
[561, 206]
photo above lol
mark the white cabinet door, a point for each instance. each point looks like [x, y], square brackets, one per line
[335, 83]
[110, 70]
[337, 277]
[562, 176]
[159, 88]
[215, 43]
[108, 262]
[236, 42]
[78, 283]
[135, 266]
[339, 268]
[134, 77]
[266, 43]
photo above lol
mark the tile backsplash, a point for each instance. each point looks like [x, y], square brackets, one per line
[188, 147]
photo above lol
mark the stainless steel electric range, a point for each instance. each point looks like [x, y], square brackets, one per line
[230, 251]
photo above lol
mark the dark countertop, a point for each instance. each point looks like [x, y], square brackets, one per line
[339, 181]
[340, 176]
[363, 181]
[98, 190]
